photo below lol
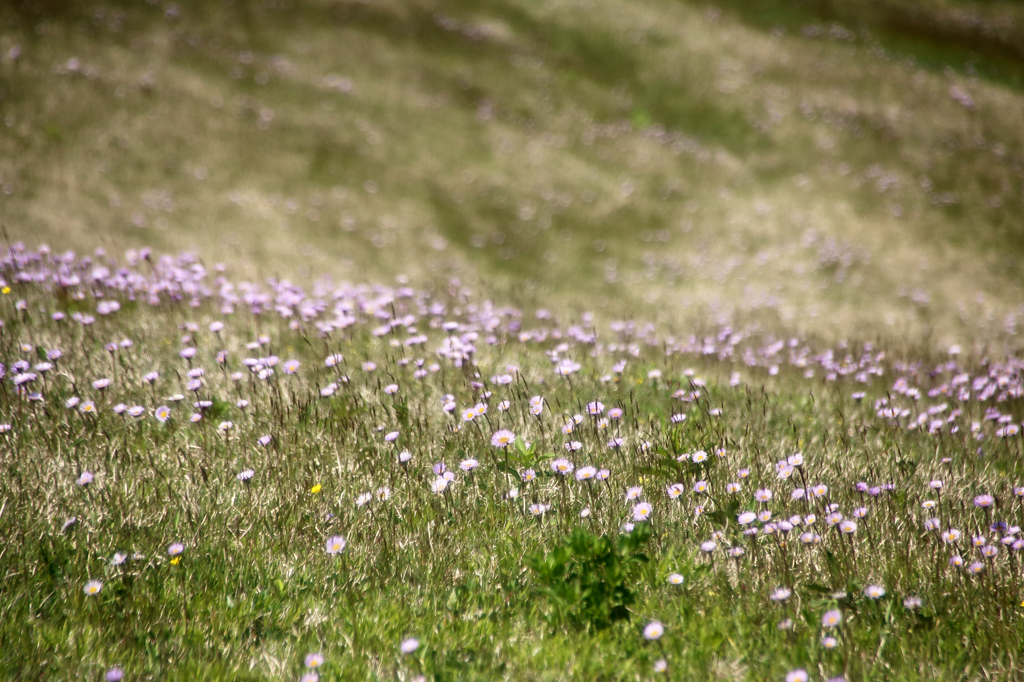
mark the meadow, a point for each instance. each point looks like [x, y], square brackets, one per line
[529, 340]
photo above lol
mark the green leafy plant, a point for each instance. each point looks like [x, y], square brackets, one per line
[587, 579]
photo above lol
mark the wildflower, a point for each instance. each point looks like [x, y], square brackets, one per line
[781, 594]
[309, 676]
[660, 665]
[708, 546]
[798, 675]
[118, 558]
[633, 493]
[595, 408]
[615, 413]
[383, 494]
[989, 551]
[675, 579]
[115, 674]
[175, 549]
[874, 591]
[736, 552]
[732, 487]
[674, 490]
[653, 630]
[700, 487]
[528, 475]
[84, 479]
[335, 544]
[911, 603]
[785, 624]
[573, 445]
[469, 464]
[976, 567]
[603, 474]
[245, 475]
[763, 495]
[409, 645]
[699, 457]
[314, 661]
[616, 443]
[391, 437]
[950, 536]
[746, 517]
[585, 473]
[404, 456]
[829, 642]
[92, 587]
[820, 490]
[536, 405]
[439, 484]
[831, 618]
[642, 511]
[502, 438]
[363, 499]
[932, 524]
[315, 489]
[538, 509]
[562, 466]
[984, 501]
[584, 513]
[956, 560]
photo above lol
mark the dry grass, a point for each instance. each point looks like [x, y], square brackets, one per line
[658, 158]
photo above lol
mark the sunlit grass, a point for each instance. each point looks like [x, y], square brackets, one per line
[221, 482]
[777, 242]
[667, 157]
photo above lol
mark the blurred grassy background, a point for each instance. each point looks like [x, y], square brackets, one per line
[832, 168]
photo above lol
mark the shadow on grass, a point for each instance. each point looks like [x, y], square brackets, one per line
[962, 40]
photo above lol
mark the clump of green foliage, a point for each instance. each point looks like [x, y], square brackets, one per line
[589, 580]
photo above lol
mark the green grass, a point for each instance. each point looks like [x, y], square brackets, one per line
[801, 173]
[535, 144]
[254, 590]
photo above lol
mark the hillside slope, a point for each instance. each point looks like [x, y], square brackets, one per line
[838, 167]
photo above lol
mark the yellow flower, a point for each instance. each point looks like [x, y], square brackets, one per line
[315, 489]
[175, 561]
[6, 290]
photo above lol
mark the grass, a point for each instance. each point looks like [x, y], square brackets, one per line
[748, 229]
[530, 144]
[101, 485]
